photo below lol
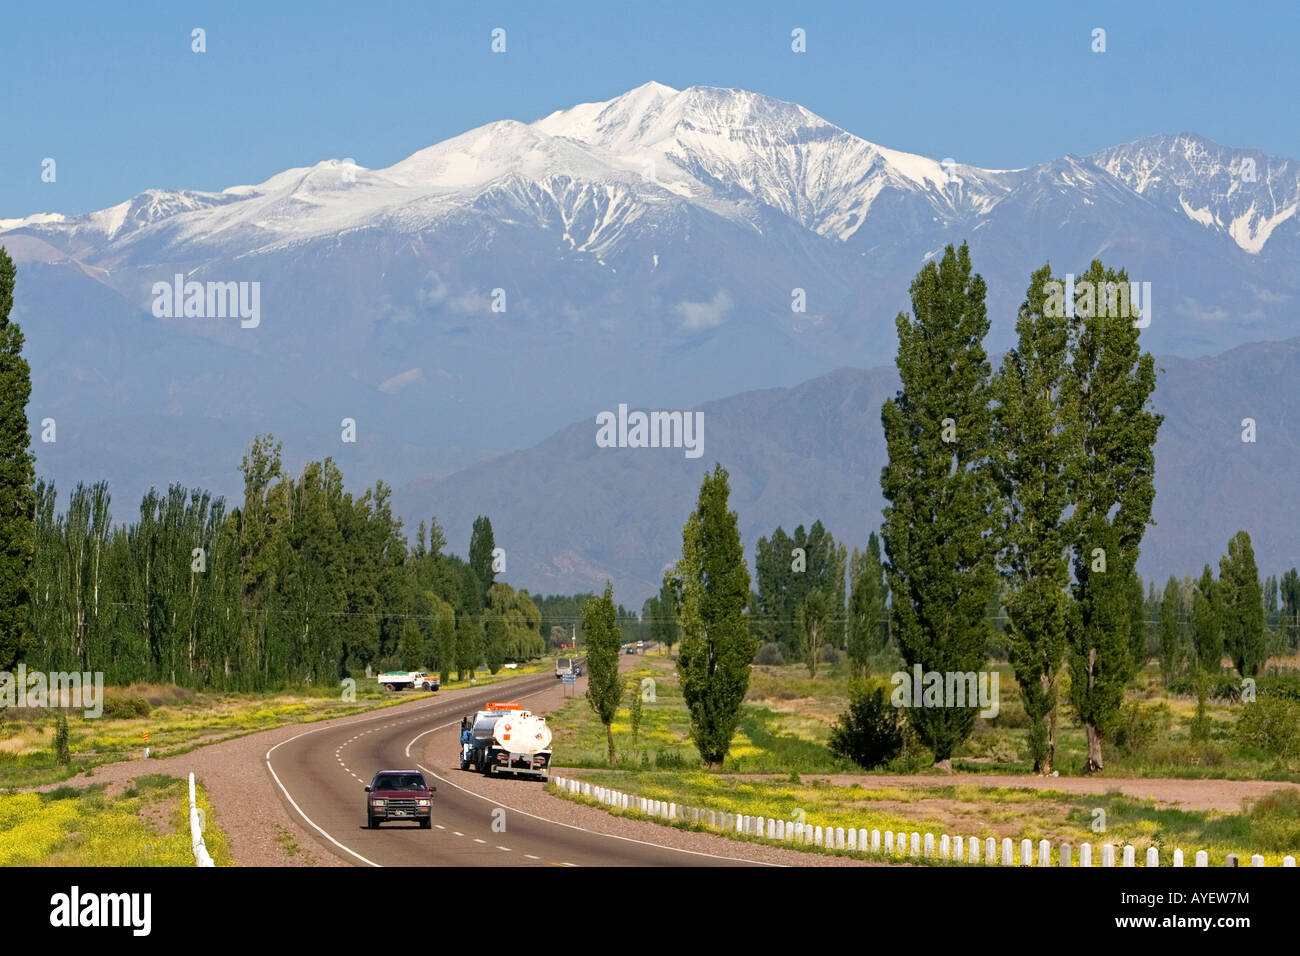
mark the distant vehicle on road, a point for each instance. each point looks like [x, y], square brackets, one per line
[401, 680]
[399, 795]
[563, 665]
[629, 649]
[511, 666]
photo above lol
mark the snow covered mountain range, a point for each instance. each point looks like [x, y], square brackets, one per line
[654, 249]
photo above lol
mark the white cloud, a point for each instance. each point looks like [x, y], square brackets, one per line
[399, 382]
[705, 315]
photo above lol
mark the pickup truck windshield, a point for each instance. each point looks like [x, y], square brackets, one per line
[399, 782]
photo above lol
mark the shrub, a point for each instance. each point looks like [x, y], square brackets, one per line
[635, 710]
[119, 705]
[871, 732]
[1269, 724]
[61, 754]
[1275, 821]
[1004, 751]
[1011, 714]
[770, 655]
[1180, 754]
[1280, 684]
[1138, 726]
[831, 655]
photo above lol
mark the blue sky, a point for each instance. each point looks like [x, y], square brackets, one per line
[114, 94]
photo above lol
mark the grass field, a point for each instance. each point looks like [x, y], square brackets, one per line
[147, 825]
[178, 719]
[785, 725]
[787, 718]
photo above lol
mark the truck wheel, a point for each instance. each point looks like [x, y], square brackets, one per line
[464, 765]
[487, 770]
[371, 824]
[425, 824]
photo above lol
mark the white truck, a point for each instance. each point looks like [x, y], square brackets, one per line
[401, 680]
[506, 739]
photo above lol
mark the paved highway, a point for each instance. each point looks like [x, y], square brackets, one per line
[322, 772]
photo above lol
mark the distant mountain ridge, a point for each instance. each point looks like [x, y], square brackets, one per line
[659, 249]
[571, 514]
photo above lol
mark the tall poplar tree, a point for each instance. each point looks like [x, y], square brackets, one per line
[939, 521]
[1207, 626]
[1034, 433]
[1170, 630]
[1111, 476]
[1289, 589]
[481, 546]
[813, 627]
[866, 630]
[1241, 607]
[444, 636]
[17, 480]
[604, 687]
[717, 647]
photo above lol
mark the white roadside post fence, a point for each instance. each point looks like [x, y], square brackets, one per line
[201, 856]
[887, 842]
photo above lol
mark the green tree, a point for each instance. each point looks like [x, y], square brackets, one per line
[604, 686]
[1111, 480]
[866, 612]
[1241, 606]
[775, 600]
[1170, 629]
[444, 636]
[1207, 626]
[469, 645]
[813, 628]
[481, 546]
[716, 648]
[1034, 433]
[1289, 591]
[495, 634]
[17, 480]
[939, 523]
[411, 648]
[663, 625]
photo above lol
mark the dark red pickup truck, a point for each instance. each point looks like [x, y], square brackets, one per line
[399, 795]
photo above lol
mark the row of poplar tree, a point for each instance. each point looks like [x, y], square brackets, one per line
[303, 583]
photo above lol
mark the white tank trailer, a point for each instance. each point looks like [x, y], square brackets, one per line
[506, 739]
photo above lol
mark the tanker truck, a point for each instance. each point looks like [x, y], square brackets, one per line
[503, 739]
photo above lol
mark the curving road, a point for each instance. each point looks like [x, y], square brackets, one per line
[321, 774]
